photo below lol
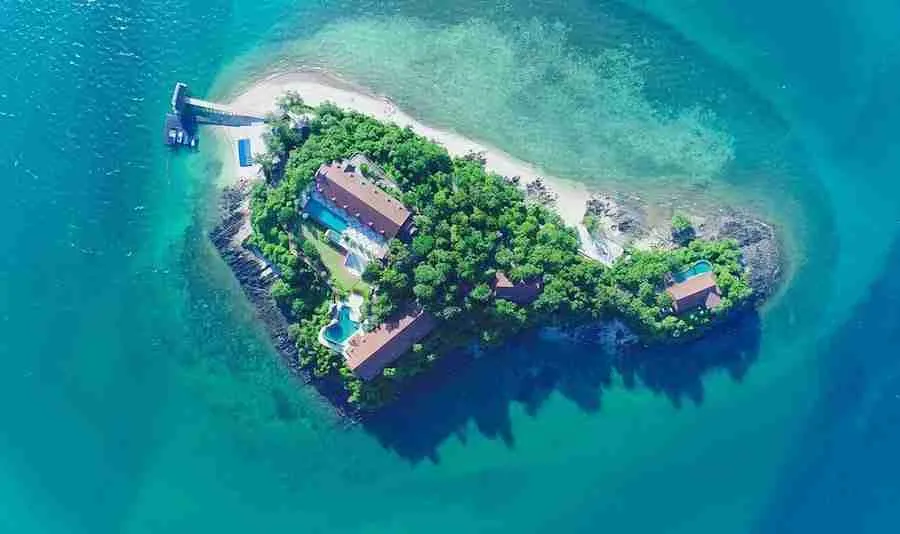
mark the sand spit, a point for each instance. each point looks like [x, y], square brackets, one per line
[317, 88]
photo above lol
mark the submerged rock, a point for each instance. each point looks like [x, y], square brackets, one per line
[612, 336]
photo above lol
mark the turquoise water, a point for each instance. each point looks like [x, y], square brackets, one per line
[345, 327]
[700, 267]
[325, 216]
[141, 396]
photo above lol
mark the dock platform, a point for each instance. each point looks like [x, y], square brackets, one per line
[177, 132]
[187, 113]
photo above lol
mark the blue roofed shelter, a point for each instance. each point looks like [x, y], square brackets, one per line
[245, 156]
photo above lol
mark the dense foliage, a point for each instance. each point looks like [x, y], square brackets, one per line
[682, 229]
[470, 224]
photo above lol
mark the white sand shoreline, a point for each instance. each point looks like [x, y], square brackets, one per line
[316, 88]
[571, 198]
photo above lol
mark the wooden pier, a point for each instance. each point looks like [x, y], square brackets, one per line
[187, 113]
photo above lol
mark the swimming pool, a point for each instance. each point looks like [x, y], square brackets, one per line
[341, 330]
[325, 215]
[700, 267]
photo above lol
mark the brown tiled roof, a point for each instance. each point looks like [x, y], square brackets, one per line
[695, 291]
[359, 197]
[521, 293]
[367, 354]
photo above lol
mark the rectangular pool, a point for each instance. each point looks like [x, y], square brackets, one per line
[700, 267]
[324, 215]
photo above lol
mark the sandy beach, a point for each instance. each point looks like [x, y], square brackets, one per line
[317, 88]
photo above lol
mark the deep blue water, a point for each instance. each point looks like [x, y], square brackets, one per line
[140, 395]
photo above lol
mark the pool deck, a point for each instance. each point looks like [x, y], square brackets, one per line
[355, 303]
[334, 262]
[364, 239]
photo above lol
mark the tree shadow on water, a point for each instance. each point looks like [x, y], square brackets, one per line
[677, 372]
[481, 390]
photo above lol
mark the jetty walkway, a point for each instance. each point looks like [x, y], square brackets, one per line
[187, 113]
[207, 112]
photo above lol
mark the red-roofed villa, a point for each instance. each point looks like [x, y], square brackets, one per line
[696, 290]
[367, 354]
[343, 186]
[522, 293]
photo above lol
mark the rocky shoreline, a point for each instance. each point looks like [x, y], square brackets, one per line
[253, 273]
[625, 221]
[256, 276]
[762, 251]
[612, 336]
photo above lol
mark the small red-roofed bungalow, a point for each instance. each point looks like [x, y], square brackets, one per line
[696, 291]
[522, 293]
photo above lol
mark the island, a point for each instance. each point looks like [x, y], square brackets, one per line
[372, 252]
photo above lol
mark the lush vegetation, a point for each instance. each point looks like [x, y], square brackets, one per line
[470, 225]
[682, 229]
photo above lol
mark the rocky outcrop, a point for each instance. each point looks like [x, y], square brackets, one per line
[759, 244]
[624, 220]
[623, 217]
[536, 190]
[254, 274]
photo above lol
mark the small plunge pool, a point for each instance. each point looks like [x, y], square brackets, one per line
[700, 267]
[343, 328]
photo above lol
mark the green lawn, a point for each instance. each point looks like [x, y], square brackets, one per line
[334, 262]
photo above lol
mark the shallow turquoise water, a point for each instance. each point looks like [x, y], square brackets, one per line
[140, 396]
